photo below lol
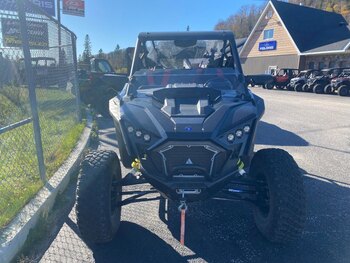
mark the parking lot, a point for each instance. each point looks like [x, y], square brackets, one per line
[313, 128]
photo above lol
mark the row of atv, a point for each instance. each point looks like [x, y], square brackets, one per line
[326, 81]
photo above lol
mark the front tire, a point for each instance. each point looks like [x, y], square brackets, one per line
[298, 87]
[344, 90]
[98, 194]
[305, 88]
[318, 89]
[280, 211]
[269, 85]
[328, 89]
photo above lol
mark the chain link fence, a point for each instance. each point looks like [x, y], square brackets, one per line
[39, 102]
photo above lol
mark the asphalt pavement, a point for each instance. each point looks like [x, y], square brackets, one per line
[315, 129]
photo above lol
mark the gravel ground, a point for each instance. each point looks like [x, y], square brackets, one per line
[315, 129]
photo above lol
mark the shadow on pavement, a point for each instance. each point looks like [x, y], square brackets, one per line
[222, 231]
[135, 243]
[270, 134]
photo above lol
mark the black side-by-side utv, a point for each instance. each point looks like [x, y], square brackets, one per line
[186, 124]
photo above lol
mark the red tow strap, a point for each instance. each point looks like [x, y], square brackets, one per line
[182, 228]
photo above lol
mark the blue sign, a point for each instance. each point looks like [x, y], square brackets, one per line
[47, 5]
[267, 46]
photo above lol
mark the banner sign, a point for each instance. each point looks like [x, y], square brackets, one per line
[267, 46]
[74, 7]
[38, 34]
[47, 5]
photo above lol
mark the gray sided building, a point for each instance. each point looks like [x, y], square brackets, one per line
[294, 36]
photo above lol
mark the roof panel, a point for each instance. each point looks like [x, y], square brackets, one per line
[313, 30]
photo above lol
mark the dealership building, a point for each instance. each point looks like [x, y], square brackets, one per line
[294, 36]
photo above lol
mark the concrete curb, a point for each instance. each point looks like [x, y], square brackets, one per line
[13, 237]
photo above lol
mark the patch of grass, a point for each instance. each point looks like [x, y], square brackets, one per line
[19, 173]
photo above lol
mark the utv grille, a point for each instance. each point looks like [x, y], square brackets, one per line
[182, 159]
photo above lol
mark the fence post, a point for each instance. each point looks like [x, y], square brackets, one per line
[31, 88]
[76, 84]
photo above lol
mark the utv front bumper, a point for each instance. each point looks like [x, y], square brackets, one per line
[194, 170]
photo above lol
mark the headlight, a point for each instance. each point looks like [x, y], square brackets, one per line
[230, 137]
[130, 129]
[138, 133]
[246, 129]
[239, 133]
[147, 137]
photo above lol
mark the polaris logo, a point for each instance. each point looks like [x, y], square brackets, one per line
[189, 161]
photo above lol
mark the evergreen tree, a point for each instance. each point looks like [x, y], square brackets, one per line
[87, 49]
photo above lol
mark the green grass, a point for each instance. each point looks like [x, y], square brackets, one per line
[19, 175]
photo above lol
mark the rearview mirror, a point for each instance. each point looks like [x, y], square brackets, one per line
[185, 42]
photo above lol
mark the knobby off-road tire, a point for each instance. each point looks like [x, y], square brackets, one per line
[328, 89]
[298, 87]
[305, 88]
[269, 86]
[344, 90]
[98, 215]
[281, 217]
[318, 89]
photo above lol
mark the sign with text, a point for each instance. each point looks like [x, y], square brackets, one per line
[38, 34]
[74, 7]
[47, 5]
[267, 46]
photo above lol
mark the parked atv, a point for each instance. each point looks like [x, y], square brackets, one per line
[320, 80]
[282, 78]
[189, 133]
[340, 85]
[99, 83]
[300, 80]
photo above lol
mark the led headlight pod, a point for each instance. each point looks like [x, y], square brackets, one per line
[246, 129]
[138, 133]
[230, 137]
[239, 133]
[130, 129]
[147, 137]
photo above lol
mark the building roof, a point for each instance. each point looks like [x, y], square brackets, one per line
[313, 30]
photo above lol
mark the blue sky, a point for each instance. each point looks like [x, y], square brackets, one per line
[112, 22]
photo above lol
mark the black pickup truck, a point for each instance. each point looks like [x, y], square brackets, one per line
[98, 83]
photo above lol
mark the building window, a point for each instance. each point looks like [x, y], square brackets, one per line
[311, 65]
[321, 65]
[268, 34]
[269, 14]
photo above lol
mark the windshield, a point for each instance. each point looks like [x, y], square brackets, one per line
[186, 63]
[183, 54]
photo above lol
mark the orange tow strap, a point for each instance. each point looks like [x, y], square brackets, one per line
[182, 229]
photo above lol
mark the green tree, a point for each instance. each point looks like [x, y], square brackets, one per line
[100, 53]
[117, 48]
[87, 49]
